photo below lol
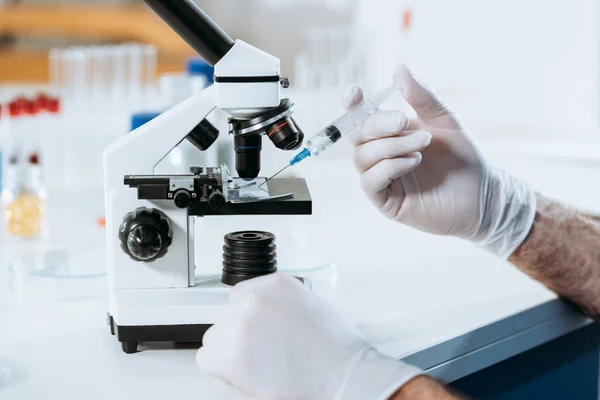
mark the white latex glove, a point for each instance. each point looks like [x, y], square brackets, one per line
[427, 173]
[278, 340]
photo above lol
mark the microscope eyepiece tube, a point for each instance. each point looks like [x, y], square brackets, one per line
[194, 26]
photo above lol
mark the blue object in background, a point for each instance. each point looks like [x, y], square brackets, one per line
[195, 67]
[140, 119]
[563, 369]
[198, 67]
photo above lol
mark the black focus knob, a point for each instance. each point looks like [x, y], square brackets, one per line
[183, 198]
[247, 255]
[145, 234]
[216, 200]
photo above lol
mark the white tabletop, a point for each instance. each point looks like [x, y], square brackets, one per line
[438, 302]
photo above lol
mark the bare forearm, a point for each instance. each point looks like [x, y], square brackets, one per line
[424, 388]
[593, 217]
[562, 251]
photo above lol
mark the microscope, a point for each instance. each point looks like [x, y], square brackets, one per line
[157, 292]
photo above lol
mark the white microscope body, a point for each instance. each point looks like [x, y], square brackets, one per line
[156, 293]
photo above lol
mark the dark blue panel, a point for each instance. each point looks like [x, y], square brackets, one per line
[566, 368]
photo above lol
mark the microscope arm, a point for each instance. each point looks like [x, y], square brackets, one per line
[138, 152]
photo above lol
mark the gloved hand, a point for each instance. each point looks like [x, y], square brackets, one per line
[278, 340]
[427, 173]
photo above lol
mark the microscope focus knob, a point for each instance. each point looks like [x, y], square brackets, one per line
[145, 234]
[182, 198]
[216, 200]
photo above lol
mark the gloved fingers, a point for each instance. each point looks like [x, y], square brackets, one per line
[381, 175]
[203, 359]
[370, 153]
[243, 289]
[380, 125]
[271, 284]
[422, 98]
[208, 360]
[352, 96]
[214, 356]
[211, 335]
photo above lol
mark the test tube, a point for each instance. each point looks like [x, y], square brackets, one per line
[150, 89]
[107, 77]
[74, 80]
[134, 74]
[31, 137]
[66, 86]
[55, 60]
[11, 174]
[53, 149]
[36, 128]
[2, 141]
[98, 74]
[80, 76]
[117, 56]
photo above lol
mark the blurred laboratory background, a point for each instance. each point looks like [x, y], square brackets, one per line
[523, 76]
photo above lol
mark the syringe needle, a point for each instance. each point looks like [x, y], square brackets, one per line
[273, 176]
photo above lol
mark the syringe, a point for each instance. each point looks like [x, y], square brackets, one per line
[353, 119]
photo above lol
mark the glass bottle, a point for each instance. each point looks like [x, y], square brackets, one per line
[24, 194]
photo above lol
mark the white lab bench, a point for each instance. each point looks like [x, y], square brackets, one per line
[437, 302]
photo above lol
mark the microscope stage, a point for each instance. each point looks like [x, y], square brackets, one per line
[300, 204]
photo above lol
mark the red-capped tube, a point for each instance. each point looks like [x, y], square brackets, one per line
[53, 105]
[31, 107]
[42, 100]
[14, 109]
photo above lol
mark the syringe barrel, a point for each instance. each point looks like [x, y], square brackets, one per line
[356, 117]
[323, 140]
[351, 121]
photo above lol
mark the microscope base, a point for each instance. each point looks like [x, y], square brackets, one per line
[130, 336]
[178, 315]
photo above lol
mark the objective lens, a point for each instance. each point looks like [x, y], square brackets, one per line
[276, 123]
[247, 155]
[285, 134]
